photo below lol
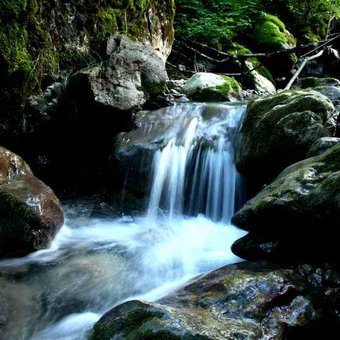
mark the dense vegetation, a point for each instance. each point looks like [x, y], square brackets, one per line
[221, 21]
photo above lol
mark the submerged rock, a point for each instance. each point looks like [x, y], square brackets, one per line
[30, 213]
[246, 300]
[212, 87]
[277, 131]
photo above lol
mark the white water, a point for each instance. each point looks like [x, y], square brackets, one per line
[93, 264]
[195, 172]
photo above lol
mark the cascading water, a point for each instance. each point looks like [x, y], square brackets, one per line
[195, 172]
[94, 264]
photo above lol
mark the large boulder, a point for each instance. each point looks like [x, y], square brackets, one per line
[204, 86]
[241, 301]
[298, 214]
[125, 81]
[277, 131]
[30, 213]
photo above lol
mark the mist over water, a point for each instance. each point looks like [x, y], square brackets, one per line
[95, 264]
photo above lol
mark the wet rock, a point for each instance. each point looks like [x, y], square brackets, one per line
[30, 212]
[302, 201]
[125, 81]
[322, 145]
[310, 82]
[246, 300]
[331, 92]
[278, 130]
[212, 87]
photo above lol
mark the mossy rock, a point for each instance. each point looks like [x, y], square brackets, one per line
[30, 213]
[270, 33]
[304, 198]
[311, 82]
[212, 87]
[233, 302]
[278, 130]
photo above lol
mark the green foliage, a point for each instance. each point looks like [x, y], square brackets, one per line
[216, 22]
[308, 19]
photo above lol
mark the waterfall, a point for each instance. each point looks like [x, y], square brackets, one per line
[187, 153]
[194, 173]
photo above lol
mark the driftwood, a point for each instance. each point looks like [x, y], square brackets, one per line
[303, 64]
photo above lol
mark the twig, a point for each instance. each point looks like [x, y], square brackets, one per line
[296, 74]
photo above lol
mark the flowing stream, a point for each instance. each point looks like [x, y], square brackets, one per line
[95, 264]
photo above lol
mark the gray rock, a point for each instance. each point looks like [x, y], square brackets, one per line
[124, 82]
[204, 86]
[331, 92]
[242, 301]
[278, 130]
[30, 213]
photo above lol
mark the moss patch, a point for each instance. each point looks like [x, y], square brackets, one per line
[270, 33]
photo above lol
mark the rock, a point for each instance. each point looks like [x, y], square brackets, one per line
[322, 145]
[331, 92]
[309, 82]
[126, 80]
[303, 198]
[176, 85]
[46, 39]
[278, 130]
[270, 35]
[30, 213]
[212, 87]
[241, 301]
[260, 82]
[295, 218]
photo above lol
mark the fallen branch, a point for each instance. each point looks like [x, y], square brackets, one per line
[304, 62]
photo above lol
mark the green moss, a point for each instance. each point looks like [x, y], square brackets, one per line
[17, 224]
[13, 46]
[270, 32]
[133, 315]
[231, 84]
[107, 22]
[236, 48]
[12, 9]
[220, 92]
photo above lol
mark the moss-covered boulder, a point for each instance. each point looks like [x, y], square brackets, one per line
[133, 73]
[299, 212]
[30, 213]
[277, 131]
[270, 33]
[204, 86]
[242, 301]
